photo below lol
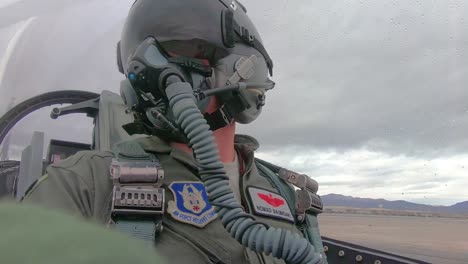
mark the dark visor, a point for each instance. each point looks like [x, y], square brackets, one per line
[194, 48]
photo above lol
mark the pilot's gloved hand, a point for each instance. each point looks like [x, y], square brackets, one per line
[30, 234]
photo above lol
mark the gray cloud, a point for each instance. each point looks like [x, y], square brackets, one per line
[387, 76]
[352, 74]
[422, 186]
[367, 173]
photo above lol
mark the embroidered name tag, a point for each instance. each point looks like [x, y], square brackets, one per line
[268, 203]
[191, 204]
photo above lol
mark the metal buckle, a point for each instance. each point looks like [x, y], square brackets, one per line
[136, 173]
[299, 180]
[245, 35]
[137, 200]
[137, 188]
[224, 115]
[307, 201]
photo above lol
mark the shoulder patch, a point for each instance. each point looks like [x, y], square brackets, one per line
[191, 204]
[267, 203]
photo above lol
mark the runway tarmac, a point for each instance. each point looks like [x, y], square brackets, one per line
[435, 240]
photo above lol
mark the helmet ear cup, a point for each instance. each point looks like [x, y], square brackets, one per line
[119, 59]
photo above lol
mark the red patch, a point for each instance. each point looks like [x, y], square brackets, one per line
[275, 202]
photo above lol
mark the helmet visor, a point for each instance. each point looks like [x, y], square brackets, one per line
[194, 48]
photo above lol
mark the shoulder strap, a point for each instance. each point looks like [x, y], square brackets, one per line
[283, 188]
[309, 227]
[131, 151]
[136, 172]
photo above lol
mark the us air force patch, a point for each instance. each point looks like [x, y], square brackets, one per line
[270, 204]
[191, 204]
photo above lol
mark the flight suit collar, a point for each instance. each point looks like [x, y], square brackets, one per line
[245, 146]
[154, 144]
[246, 143]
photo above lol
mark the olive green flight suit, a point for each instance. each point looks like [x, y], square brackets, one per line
[33, 235]
[82, 185]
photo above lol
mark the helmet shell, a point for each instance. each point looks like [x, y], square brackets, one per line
[179, 20]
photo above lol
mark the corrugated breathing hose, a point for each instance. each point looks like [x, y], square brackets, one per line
[257, 236]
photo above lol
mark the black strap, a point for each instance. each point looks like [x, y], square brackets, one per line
[234, 103]
[216, 120]
[219, 118]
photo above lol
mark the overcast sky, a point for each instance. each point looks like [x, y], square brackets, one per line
[370, 100]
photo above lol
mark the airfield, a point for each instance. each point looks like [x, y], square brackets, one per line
[430, 239]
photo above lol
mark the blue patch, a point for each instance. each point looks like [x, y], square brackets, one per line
[191, 204]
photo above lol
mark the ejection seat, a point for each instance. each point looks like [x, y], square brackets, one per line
[107, 109]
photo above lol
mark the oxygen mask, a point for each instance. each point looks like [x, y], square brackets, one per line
[233, 77]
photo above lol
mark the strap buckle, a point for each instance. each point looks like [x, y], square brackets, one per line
[137, 200]
[226, 117]
[219, 118]
[307, 201]
[245, 34]
[299, 180]
[137, 188]
[139, 172]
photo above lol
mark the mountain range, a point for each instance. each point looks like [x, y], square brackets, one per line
[356, 202]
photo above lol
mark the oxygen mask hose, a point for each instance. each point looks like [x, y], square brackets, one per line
[257, 236]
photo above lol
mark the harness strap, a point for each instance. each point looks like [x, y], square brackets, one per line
[141, 229]
[313, 233]
[284, 189]
[309, 224]
[137, 199]
[131, 151]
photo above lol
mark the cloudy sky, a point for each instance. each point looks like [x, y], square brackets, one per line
[371, 97]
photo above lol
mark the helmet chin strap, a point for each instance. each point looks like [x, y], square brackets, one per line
[219, 118]
[235, 102]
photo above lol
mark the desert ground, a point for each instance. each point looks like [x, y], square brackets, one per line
[431, 239]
